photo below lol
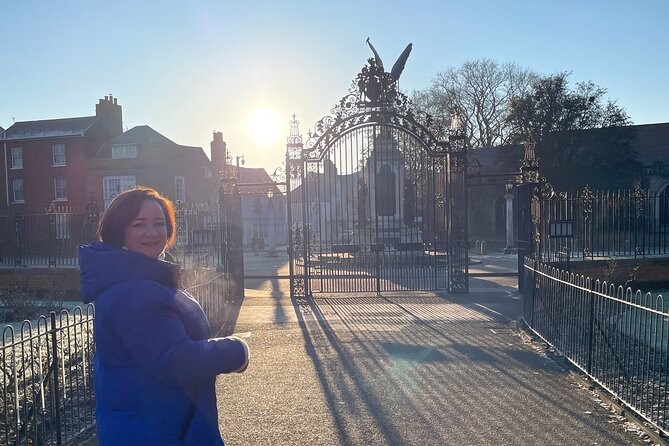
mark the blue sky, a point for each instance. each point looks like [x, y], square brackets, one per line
[187, 68]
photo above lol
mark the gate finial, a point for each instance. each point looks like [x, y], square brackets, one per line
[294, 137]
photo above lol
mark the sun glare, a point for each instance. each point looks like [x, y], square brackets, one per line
[264, 126]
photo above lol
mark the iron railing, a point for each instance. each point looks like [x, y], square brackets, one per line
[595, 224]
[45, 373]
[198, 238]
[51, 237]
[210, 289]
[47, 395]
[617, 337]
[44, 237]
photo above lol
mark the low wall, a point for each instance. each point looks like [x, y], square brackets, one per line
[643, 272]
[43, 280]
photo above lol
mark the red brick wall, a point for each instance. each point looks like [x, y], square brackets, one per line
[38, 172]
[43, 280]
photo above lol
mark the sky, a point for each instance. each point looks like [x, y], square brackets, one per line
[187, 68]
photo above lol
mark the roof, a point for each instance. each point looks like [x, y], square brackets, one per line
[49, 128]
[141, 134]
[195, 155]
[145, 135]
[256, 175]
[652, 142]
[498, 159]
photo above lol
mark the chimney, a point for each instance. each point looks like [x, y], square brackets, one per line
[111, 116]
[219, 152]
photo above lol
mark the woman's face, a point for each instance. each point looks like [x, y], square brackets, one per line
[147, 233]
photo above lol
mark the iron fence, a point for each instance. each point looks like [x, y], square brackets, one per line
[198, 238]
[616, 336]
[45, 372]
[46, 367]
[44, 237]
[210, 289]
[50, 237]
[594, 224]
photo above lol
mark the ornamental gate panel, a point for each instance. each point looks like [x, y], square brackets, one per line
[376, 197]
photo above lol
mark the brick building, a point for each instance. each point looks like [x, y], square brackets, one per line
[62, 161]
[43, 161]
[142, 156]
[67, 161]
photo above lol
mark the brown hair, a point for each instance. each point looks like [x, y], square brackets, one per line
[125, 208]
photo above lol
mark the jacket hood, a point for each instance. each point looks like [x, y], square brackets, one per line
[102, 266]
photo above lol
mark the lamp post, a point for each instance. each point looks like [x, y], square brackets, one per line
[239, 158]
[270, 230]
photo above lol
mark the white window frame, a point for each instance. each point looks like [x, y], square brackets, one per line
[63, 189]
[114, 185]
[177, 196]
[15, 189]
[124, 151]
[54, 155]
[17, 161]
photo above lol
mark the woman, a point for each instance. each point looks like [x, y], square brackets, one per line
[155, 365]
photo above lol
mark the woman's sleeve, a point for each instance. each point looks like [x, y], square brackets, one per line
[157, 339]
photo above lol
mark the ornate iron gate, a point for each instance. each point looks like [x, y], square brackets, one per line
[377, 196]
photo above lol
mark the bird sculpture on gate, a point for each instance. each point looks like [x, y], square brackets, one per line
[377, 84]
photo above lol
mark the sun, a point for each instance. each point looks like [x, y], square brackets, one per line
[264, 126]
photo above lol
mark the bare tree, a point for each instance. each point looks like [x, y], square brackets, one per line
[579, 131]
[482, 91]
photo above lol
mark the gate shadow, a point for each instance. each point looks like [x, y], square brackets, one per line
[402, 370]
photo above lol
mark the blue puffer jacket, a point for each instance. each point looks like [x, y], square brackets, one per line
[155, 365]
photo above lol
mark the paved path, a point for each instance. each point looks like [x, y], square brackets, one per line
[419, 369]
[402, 369]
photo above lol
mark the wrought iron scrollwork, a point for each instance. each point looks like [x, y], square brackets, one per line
[587, 198]
[279, 174]
[92, 210]
[529, 166]
[640, 196]
[373, 98]
[459, 282]
[297, 279]
[547, 191]
[458, 163]
[295, 169]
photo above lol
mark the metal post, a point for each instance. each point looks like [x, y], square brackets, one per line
[591, 324]
[18, 238]
[223, 240]
[376, 245]
[289, 218]
[52, 235]
[305, 228]
[54, 365]
[508, 196]
[271, 232]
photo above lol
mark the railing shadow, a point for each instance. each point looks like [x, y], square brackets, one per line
[384, 361]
